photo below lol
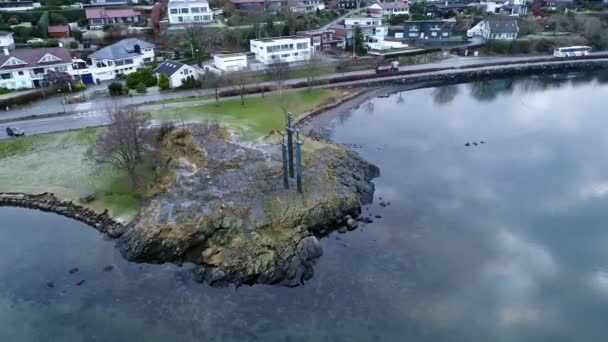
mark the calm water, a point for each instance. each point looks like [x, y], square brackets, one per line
[504, 241]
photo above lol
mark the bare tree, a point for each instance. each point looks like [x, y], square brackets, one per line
[279, 70]
[215, 81]
[241, 78]
[123, 144]
[312, 68]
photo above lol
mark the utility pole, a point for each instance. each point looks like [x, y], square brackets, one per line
[298, 161]
[284, 154]
[290, 144]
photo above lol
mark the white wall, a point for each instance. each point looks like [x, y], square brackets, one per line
[232, 62]
[7, 41]
[104, 69]
[175, 81]
[286, 49]
[24, 78]
[189, 11]
[363, 21]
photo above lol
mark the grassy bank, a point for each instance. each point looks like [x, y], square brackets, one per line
[259, 115]
[56, 163]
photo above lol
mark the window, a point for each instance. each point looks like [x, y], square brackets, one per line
[39, 71]
[413, 34]
[302, 46]
[184, 11]
[434, 34]
[6, 76]
[173, 11]
[180, 19]
[128, 61]
[198, 18]
[20, 73]
[445, 34]
[414, 28]
[206, 18]
[13, 61]
[119, 63]
[196, 9]
[48, 58]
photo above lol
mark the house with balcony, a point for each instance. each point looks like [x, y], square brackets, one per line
[347, 33]
[258, 5]
[183, 12]
[323, 40]
[427, 30]
[99, 17]
[388, 9]
[18, 5]
[362, 21]
[495, 28]
[121, 58]
[286, 49]
[29, 68]
[344, 4]
[303, 6]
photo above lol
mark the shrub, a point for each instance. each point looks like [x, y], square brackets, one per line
[77, 34]
[144, 76]
[73, 45]
[163, 82]
[4, 90]
[141, 88]
[115, 89]
[79, 86]
[57, 19]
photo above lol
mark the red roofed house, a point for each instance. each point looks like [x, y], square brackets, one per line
[389, 8]
[258, 5]
[59, 31]
[112, 16]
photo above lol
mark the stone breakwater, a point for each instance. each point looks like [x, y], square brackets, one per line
[49, 203]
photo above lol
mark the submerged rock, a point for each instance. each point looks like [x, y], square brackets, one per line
[225, 208]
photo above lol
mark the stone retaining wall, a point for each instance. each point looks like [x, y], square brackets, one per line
[48, 202]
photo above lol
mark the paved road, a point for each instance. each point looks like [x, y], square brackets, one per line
[94, 113]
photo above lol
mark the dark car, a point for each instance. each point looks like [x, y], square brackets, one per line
[14, 132]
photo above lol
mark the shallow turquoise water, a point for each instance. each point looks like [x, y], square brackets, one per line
[503, 241]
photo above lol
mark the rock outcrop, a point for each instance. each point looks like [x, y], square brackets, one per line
[225, 208]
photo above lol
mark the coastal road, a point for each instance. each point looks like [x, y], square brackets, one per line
[94, 114]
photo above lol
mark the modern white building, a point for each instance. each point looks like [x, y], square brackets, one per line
[6, 40]
[18, 5]
[287, 49]
[302, 6]
[363, 21]
[230, 62]
[389, 8]
[28, 68]
[123, 57]
[189, 12]
[177, 72]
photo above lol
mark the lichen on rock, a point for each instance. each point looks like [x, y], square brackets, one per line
[230, 214]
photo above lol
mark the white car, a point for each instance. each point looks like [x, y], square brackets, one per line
[35, 41]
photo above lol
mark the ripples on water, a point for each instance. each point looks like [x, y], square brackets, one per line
[503, 241]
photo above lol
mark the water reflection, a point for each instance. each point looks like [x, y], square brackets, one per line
[503, 241]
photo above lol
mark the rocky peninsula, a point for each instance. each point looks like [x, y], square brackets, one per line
[222, 206]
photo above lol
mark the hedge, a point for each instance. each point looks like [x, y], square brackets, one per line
[33, 16]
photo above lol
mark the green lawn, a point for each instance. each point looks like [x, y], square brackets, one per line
[259, 115]
[56, 163]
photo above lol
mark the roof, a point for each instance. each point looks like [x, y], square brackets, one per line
[392, 5]
[168, 67]
[254, 1]
[32, 56]
[97, 13]
[276, 39]
[187, 2]
[5, 33]
[58, 28]
[123, 49]
[503, 25]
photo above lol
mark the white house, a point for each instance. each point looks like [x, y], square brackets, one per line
[189, 12]
[177, 72]
[28, 68]
[508, 7]
[123, 57]
[495, 28]
[230, 61]
[363, 21]
[287, 49]
[6, 40]
[302, 6]
[18, 5]
[389, 8]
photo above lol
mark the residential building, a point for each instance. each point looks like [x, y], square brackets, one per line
[17, 5]
[287, 49]
[447, 9]
[189, 12]
[123, 57]
[362, 21]
[347, 33]
[558, 4]
[388, 9]
[302, 6]
[98, 17]
[344, 4]
[6, 40]
[230, 61]
[495, 28]
[323, 40]
[58, 31]
[427, 29]
[28, 68]
[107, 3]
[258, 5]
[177, 72]
[506, 7]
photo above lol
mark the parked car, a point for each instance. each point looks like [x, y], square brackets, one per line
[35, 41]
[12, 131]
